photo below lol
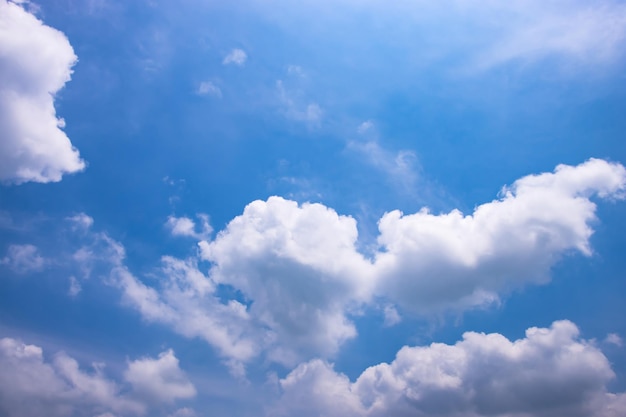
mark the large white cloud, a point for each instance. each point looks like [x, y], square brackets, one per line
[453, 260]
[35, 63]
[549, 373]
[285, 279]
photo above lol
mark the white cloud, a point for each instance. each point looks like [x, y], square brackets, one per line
[35, 63]
[75, 287]
[296, 107]
[184, 226]
[299, 266]
[401, 167]
[159, 379]
[32, 387]
[549, 373]
[365, 126]
[454, 261]
[184, 412]
[614, 339]
[591, 33]
[392, 317]
[285, 278]
[187, 302]
[236, 56]
[81, 221]
[207, 88]
[23, 259]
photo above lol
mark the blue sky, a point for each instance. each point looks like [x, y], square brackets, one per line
[312, 208]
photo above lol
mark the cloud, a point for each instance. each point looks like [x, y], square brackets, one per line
[391, 315]
[35, 63]
[614, 339]
[207, 88]
[401, 167]
[549, 373]
[81, 221]
[300, 267]
[365, 127]
[187, 302]
[31, 387]
[23, 259]
[296, 108]
[75, 287]
[452, 260]
[236, 56]
[285, 278]
[159, 379]
[184, 226]
[588, 33]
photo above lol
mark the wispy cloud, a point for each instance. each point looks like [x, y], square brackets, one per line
[236, 56]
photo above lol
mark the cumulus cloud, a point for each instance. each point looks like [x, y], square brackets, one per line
[207, 88]
[454, 260]
[81, 221]
[236, 56]
[75, 287]
[23, 259]
[549, 373]
[35, 63]
[159, 379]
[31, 386]
[184, 226]
[285, 278]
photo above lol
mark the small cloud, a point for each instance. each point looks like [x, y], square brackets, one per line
[294, 107]
[365, 126]
[81, 221]
[75, 287]
[391, 316]
[160, 379]
[184, 412]
[614, 339]
[23, 259]
[295, 70]
[207, 88]
[236, 56]
[184, 226]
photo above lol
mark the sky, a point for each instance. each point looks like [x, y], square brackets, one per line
[319, 208]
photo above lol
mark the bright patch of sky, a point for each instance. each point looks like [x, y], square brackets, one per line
[314, 208]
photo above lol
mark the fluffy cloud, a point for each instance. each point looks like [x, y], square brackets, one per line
[285, 278]
[549, 373]
[236, 56]
[299, 266]
[207, 88]
[23, 259]
[35, 63]
[30, 386]
[184, 226]
[455, 261]
[159, 379]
